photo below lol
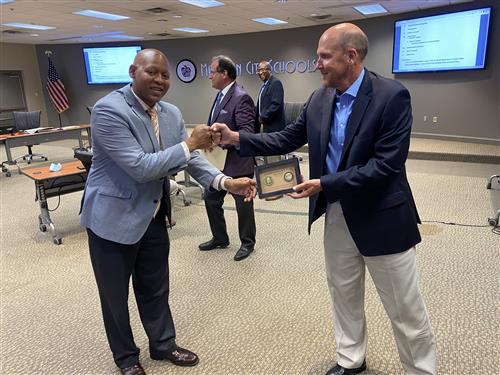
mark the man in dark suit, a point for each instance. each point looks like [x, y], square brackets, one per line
[234, 107]
[270, 108]
[138, 142]
[358, 130]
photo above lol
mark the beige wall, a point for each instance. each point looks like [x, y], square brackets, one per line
[23, 57]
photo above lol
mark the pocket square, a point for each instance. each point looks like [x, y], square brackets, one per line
[223, 111]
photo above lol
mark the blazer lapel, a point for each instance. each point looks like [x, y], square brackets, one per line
[164, 121]
[361, 102]
[326, 121]
[142, 114]
[225, 99]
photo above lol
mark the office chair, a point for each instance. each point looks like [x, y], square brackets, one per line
[85, 156]
[26, 121]
[292, 111]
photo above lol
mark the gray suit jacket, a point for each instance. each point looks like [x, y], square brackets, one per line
[128, 166]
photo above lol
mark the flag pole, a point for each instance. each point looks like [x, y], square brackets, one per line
[60, 122]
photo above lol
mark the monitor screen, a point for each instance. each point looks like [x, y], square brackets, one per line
[108, 65]
[451, 41]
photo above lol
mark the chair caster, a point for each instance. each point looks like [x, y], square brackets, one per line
[57, 241]
[187, 203]
[46, 159]
[8, 174]
[43, 228]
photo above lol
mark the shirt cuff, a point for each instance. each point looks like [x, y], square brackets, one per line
[186, 151]
[219, 182]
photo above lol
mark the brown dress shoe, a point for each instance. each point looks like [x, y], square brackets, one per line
[133, 370]
[179, 357]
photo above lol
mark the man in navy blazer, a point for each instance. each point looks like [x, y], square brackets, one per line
[138, 142]
[234, 107]
[270, 108]
[358, 130]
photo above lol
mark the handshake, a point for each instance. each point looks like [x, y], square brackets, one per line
[207, 137]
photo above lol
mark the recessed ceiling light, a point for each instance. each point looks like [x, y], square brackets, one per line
[176, 16]
[102, 15]
[203, 3]
[126, 37]
[370, 9]
[269, 21]
[191, 30]
[27, 26]
[34, 35]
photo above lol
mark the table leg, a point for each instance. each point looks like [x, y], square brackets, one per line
[44, 220]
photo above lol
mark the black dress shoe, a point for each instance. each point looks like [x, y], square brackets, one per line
[339, 370]
[212, 244]
[242, 253]
[179, 357]
[133, 370]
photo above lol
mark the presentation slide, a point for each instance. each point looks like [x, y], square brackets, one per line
[109, 64]
[445, 42]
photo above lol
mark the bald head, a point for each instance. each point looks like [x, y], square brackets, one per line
[341, 51]
[150, 76]
[348, 35]
[146, 55]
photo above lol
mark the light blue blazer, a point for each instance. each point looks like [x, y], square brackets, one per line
[128, 166]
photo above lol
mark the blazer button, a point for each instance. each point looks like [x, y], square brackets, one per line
[155, 201]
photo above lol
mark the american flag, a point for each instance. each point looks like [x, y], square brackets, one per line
[56, 90]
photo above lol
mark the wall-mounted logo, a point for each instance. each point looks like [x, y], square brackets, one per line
[186, 71]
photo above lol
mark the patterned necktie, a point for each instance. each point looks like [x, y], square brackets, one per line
[156, 129]
[154, 122]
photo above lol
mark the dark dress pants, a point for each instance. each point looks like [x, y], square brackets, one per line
[246, 218]
[147, 263]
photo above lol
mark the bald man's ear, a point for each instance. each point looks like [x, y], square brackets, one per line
[131, 70]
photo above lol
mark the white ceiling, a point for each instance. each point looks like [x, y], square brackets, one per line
[235, 17]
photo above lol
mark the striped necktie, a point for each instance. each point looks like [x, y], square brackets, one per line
[154, 122]
[156, 129]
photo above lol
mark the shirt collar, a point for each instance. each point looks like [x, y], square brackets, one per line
[354, 88]
[141, 102]
[226, 89]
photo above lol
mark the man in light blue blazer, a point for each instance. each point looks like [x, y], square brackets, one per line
[138, 142]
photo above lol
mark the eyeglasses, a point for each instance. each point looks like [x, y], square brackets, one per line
[262, 69]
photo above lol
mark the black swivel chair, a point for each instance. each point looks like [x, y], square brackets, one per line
[292, 111]
[85, 156]
[27, 121]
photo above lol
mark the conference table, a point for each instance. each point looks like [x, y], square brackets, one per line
[43, 135]
[70, 178]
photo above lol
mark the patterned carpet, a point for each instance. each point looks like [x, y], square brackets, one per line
[267, 315]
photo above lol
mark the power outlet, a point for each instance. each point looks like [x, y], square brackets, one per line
[435, 119]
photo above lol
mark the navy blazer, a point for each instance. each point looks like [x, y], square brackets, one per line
[128, 166]
[236, 111]
[370, 182]
[272, 107]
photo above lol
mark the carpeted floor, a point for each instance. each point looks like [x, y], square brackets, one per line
[267, 315]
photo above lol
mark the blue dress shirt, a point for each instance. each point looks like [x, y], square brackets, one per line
[342, 111]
